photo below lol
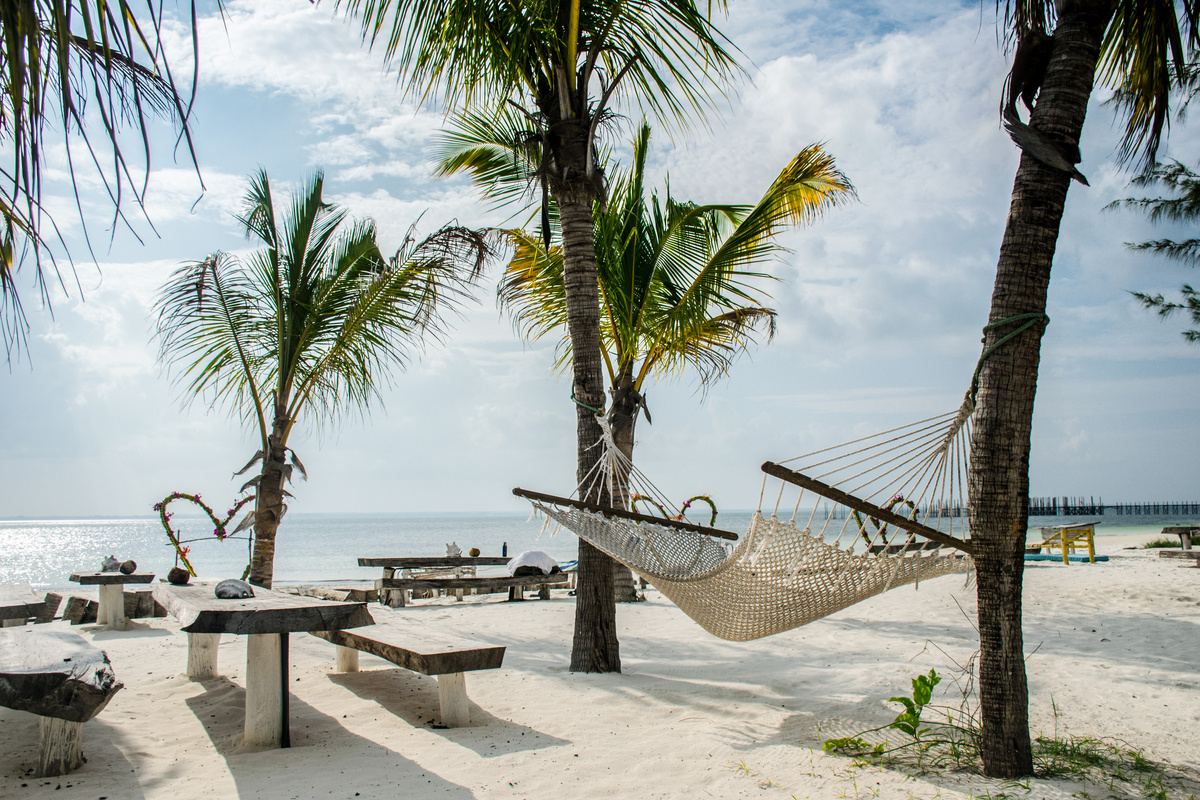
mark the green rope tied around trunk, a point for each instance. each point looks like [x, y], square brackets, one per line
[1032, 318]
[585, 405]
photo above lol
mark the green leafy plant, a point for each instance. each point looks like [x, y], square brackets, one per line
[910, 721]
[1163, 542]
[950, 740]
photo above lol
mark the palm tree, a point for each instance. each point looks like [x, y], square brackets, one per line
[1135, 46]
[548, 58]
[1183, 205]
[675, 291]
[58, 62]
[312, 325]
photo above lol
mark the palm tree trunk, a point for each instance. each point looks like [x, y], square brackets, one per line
[624, 419]
[999, 477]
[595, 647]
[268, 507]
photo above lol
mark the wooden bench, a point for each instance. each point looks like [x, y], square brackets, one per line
[61, 678]
[1185, 534]
[421, 651]
[1192, 555]
[19, 603]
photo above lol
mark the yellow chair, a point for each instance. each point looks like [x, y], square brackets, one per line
[1070, 538]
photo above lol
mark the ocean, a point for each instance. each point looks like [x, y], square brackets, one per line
[325, 547]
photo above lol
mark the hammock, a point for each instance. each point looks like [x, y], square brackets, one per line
[888, 510]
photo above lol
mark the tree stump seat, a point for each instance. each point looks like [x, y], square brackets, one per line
[429, 653]
[61, 678]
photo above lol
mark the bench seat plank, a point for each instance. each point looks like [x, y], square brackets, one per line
[418, 650]
[19, 602]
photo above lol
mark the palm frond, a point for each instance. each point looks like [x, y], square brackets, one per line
[481, 52]
[318, 323]
[532, 289]
[72, 65]
[501, 152]
[1141, 55]
[212, 329]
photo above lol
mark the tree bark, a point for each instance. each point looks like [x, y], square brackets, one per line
[999, 475]
[623, 418]
[268, 503]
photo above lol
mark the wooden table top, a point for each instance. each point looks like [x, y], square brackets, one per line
[200, 611]
[109, 578]
[18, 601]
[414, 562]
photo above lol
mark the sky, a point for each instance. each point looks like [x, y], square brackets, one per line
[880, 303]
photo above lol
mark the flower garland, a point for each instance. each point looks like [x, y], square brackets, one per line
[682, 515]
[898, 500]
[181, 552]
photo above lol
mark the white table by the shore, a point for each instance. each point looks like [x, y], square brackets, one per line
[111, 589]
[266, 620]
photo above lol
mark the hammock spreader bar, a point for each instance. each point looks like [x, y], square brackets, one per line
[850, 501]
[622, 513]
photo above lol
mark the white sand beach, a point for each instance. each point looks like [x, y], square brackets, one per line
[1114, 650]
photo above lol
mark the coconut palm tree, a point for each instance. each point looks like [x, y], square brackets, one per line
[309, 327]
[60, 62]
[675, 291]
[562, 63]
[1135, 46]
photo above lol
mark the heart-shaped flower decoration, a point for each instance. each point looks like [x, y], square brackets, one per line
[682, 515]
[219, 525]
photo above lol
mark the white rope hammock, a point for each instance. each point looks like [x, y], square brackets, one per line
[887, 510]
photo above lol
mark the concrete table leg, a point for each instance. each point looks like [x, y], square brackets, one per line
[61, 747]
[14, 623]
[112, 606]
[264, 695]
[346, 659]
[452, 694]
[202, 655]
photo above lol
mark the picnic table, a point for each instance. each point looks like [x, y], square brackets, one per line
[456, 573]
[267, 619]
[18, 603]
[111, 593]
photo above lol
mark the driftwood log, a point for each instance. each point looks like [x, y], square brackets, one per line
[61, 678]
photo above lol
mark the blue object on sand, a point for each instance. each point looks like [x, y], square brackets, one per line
[1052, 557]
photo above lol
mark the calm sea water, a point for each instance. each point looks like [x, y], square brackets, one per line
[323, 547]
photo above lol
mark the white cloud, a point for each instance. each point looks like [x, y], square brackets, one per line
[881, 303]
